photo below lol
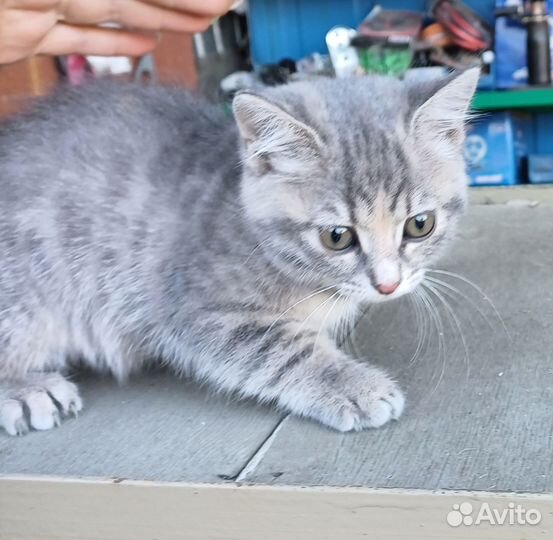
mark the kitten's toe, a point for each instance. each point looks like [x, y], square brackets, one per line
[379, 399]
[43, 413]
[66, 395]
[360, 397]
[12, 417]
[396, 400]
[38, 402]
[383, 410]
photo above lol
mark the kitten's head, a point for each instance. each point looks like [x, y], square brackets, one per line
[355, 183]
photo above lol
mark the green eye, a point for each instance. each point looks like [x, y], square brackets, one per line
[419, 227]
[338, 238]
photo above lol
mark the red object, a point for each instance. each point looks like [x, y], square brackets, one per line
[466, 29]
[78, 69]
[436, 35]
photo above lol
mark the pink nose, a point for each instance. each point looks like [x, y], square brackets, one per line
[387, 288]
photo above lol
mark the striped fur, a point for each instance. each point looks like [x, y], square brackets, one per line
[141, 225]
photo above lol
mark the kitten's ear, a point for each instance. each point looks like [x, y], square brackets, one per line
[443, 112]
[269, 131]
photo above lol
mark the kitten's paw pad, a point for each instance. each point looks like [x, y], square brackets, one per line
[38, 403]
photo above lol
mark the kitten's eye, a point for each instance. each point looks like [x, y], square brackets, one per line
[420, 226]
[338, 238]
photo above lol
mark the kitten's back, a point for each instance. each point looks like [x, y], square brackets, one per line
[97, 183]
[89, 125]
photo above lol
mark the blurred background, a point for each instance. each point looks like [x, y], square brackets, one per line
[271, 42]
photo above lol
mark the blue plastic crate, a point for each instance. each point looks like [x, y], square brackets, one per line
[540, 169]
[544, 133]
[296, 28]
[540, 163]
[496, 146]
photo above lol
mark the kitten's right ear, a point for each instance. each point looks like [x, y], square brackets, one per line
[441, 107]
[268, 131]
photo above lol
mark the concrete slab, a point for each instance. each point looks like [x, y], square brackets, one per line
[481, 424]
[153, 428]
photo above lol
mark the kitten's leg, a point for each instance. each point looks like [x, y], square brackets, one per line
[36, 401]
[303, 371]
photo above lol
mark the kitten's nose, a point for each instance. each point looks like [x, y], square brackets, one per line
[387, 288]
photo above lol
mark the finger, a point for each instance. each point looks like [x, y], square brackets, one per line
[205, 8]
[132, 14]
[34, 5]
[68, 39]
[21, 31]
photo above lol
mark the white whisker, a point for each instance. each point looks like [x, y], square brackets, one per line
[435, 316]
[454, 293]
[297, 304]
[321, 305]
[258, 246]
[453, 318]
[420, 325]
[480, 291]
[336, 294]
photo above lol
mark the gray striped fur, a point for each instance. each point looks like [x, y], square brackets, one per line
[142, 225]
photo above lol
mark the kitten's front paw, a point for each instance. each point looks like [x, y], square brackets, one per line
[352, 398]
[38, 402]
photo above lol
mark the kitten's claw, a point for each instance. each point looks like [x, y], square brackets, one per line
[21, 428]
[38, 402]
[74, 408]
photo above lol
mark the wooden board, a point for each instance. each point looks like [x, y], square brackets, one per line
[61, 510]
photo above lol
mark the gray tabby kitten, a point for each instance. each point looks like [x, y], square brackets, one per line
[139, 224]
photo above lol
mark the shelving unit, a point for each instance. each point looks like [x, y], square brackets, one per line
[527, 98]
[536, 101]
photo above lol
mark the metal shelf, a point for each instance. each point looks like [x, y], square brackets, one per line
[526, 98]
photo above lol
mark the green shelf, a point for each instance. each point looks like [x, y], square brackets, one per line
[528, 98]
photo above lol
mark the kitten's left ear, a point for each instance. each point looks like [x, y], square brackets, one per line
[442, 116]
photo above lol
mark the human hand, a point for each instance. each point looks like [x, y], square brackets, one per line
[29, 27]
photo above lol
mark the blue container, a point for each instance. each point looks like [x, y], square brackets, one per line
[510, 48]
[544, 133]
[540, 162]
[540, 169]
[495, 148]
[296, 28]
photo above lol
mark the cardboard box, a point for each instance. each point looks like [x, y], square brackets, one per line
[23, 81]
